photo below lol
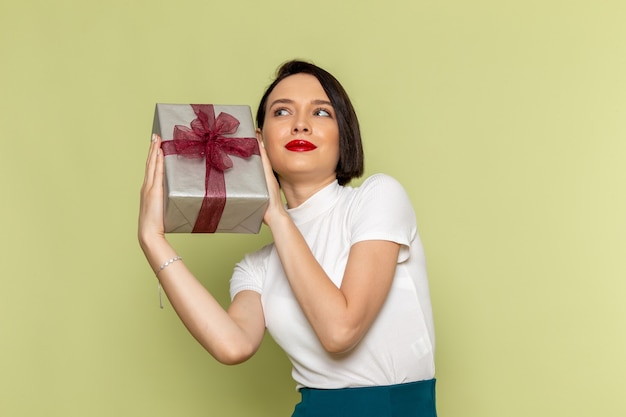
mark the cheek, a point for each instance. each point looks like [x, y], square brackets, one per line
[272, 149]
[337, 146]
[272, 131]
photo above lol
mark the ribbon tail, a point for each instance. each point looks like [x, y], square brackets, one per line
[213, 202]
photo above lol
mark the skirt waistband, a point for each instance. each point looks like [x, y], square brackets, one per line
[412, 399]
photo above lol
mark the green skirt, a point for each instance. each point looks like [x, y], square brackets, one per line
[413, 399]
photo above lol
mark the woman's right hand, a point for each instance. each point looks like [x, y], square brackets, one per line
[276, 207]
[230, 336]
[151, 202]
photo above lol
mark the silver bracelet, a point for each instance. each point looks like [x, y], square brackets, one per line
[168, 263]
[161, 268]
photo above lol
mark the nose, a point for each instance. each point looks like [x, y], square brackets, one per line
[301, 125]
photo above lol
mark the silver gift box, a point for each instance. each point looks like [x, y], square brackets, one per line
[246, 191]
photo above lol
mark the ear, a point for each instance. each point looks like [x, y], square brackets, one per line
[259, 137]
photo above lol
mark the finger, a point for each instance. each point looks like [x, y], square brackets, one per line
[153, 141]
[267, 165]
[149, 159]
[155, 146]
[273, 188]
[159, 169]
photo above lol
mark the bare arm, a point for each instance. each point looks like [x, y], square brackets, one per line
[230, 336]
[341, 316]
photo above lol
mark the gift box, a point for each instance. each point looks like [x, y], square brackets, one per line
[214, 179]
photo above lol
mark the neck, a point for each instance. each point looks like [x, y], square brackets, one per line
[298, 192]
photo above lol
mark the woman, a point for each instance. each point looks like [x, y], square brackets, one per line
[342, 288]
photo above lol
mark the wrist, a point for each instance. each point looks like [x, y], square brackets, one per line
[151, 241]
[277, 218]
[156, 250]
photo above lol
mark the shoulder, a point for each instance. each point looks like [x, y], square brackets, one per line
[254, 264]
[258, 258]
[380, 178]
[381, 194]
[250, 272]
[382, 186]
[382, 210]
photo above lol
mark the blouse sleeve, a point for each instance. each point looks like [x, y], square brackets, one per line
[383, 211]
[249, 272]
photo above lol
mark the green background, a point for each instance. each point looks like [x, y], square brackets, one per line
[505, 121]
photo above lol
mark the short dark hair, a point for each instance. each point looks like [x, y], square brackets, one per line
[351, 159]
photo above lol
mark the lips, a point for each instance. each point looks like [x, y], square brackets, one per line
[300, 145]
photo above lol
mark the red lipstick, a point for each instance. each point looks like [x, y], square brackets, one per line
[299, 145]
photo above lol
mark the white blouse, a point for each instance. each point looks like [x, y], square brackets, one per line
[399, 346]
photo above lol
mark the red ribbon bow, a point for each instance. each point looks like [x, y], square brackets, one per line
[205, 139]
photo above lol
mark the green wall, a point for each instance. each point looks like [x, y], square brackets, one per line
[505, 121]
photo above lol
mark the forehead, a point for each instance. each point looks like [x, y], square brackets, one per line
[298, 86]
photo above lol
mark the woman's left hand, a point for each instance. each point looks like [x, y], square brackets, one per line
[276, 206]
[151, 200]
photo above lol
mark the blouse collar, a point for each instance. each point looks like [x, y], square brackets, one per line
[317, 204]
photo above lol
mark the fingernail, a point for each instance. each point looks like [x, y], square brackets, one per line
[154, 137]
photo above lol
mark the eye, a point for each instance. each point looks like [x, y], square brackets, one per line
[281, 112]
[322, 112]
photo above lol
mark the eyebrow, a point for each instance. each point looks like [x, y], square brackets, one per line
[290, 101]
